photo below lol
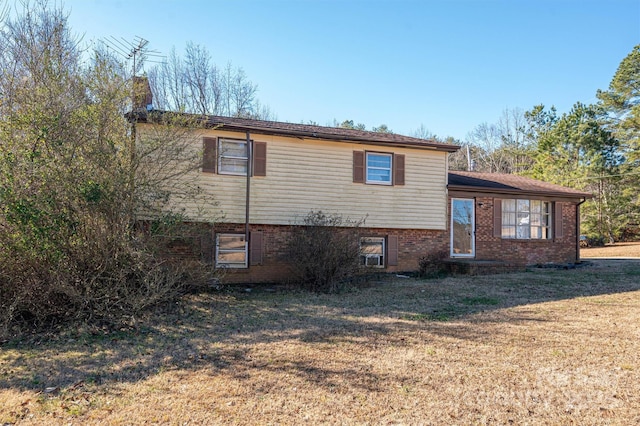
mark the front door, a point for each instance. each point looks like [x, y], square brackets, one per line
[462, 227]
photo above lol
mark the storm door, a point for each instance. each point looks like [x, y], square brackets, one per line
[462, 228]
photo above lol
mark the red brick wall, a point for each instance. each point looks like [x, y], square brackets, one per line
[524, 252]
[412, 245]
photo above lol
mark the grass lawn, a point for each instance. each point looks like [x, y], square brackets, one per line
[612, 250]
[539, 347]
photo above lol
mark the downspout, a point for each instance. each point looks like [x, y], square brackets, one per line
[246, 213]
[578, 228]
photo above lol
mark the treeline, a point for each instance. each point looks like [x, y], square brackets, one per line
[593, 148]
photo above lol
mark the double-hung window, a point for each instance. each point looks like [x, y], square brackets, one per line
[526, 219]
[231, 251]
[379, 168]
[372, 252]
[233, 157]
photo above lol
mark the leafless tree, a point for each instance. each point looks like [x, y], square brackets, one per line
[423, 133]
[503, 146]
[195, 84]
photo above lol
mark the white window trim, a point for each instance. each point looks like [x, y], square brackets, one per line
[473, 229]
[381, 257]
[543, 214]
[231, 264]
[366, 168]
[221, 156]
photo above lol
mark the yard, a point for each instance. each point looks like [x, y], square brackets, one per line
[612, 250]
[544, 346]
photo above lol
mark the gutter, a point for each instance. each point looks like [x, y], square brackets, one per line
[338, 138]
[314, 132]
[514, 191]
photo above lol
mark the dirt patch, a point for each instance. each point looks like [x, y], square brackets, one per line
[544, 346]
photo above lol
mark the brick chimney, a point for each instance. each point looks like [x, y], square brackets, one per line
[142, 96]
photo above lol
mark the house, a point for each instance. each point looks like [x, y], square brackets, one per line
[266, 176]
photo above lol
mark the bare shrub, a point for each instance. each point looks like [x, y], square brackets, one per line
[102, 278]
[76, 179]
[432, 265]
[324, 251]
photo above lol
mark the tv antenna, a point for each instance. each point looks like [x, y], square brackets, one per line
[136, 50]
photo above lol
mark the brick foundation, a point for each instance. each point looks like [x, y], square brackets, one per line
[412, 245]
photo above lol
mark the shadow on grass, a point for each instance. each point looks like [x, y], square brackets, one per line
[218, 333]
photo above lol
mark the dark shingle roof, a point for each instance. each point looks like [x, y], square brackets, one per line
[307, 131]
[509, 184]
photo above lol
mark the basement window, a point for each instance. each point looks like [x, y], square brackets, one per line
[372, 252]
[231, 251]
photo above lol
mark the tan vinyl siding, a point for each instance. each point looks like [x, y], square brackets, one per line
[304, 175]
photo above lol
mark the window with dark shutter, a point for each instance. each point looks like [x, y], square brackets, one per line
[392, 250]
[358, 166]
[522, 219]
[231, 251]
[259, 159]
[398, 169]
[557, 222]
[209, 155]
[372, 252]
[497, 217]
[255, 249]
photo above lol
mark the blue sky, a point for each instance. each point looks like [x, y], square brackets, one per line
[446, 65]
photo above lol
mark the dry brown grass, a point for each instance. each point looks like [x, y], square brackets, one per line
[612, 250]
[541, 347]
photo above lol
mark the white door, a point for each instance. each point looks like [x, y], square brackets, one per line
[463, 242]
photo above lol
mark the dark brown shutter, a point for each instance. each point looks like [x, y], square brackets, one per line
[497, 217]
[392, 250]
[209, 155]
[398, 169]
[207, 247]
[358, 166]
[255, 248]
[558, 233]
[259, 159]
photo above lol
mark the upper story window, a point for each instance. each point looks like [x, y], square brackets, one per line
[526, 219]
[379, 168]
[232, 157]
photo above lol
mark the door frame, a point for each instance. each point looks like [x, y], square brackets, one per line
[473, 229]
